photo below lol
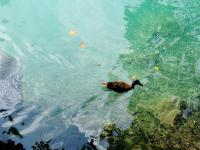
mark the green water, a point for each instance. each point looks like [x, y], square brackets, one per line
[67, 48]
[166, 43]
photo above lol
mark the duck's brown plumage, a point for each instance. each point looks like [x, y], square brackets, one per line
[120, 86]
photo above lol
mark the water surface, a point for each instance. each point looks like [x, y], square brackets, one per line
[65, 49]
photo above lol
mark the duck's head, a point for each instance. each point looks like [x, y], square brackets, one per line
[136, 82]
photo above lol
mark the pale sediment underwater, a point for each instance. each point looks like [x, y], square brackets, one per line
[54, 56]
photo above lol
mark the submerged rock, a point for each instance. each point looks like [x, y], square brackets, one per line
[166, 110]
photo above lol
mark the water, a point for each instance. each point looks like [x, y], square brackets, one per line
[65, 49]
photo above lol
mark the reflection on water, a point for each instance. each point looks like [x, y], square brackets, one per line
[62, 51]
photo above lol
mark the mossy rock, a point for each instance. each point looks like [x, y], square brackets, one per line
[163, 110]
[167, 110]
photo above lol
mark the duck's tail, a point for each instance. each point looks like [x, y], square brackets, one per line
[104, 84]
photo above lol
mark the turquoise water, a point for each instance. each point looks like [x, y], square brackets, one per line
[63, 50]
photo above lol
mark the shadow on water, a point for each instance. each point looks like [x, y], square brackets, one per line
[22, 117]
[71, 134]
[71, 138]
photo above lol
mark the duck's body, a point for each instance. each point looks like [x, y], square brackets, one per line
[120, 86]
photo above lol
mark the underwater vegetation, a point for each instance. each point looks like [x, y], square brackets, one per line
[147, 132]
[164, 54]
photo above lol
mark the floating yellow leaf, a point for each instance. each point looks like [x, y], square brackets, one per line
[72, 32]
[156, 68]
[133, 77]
[82, 45]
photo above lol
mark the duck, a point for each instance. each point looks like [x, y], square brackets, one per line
[121, 86]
